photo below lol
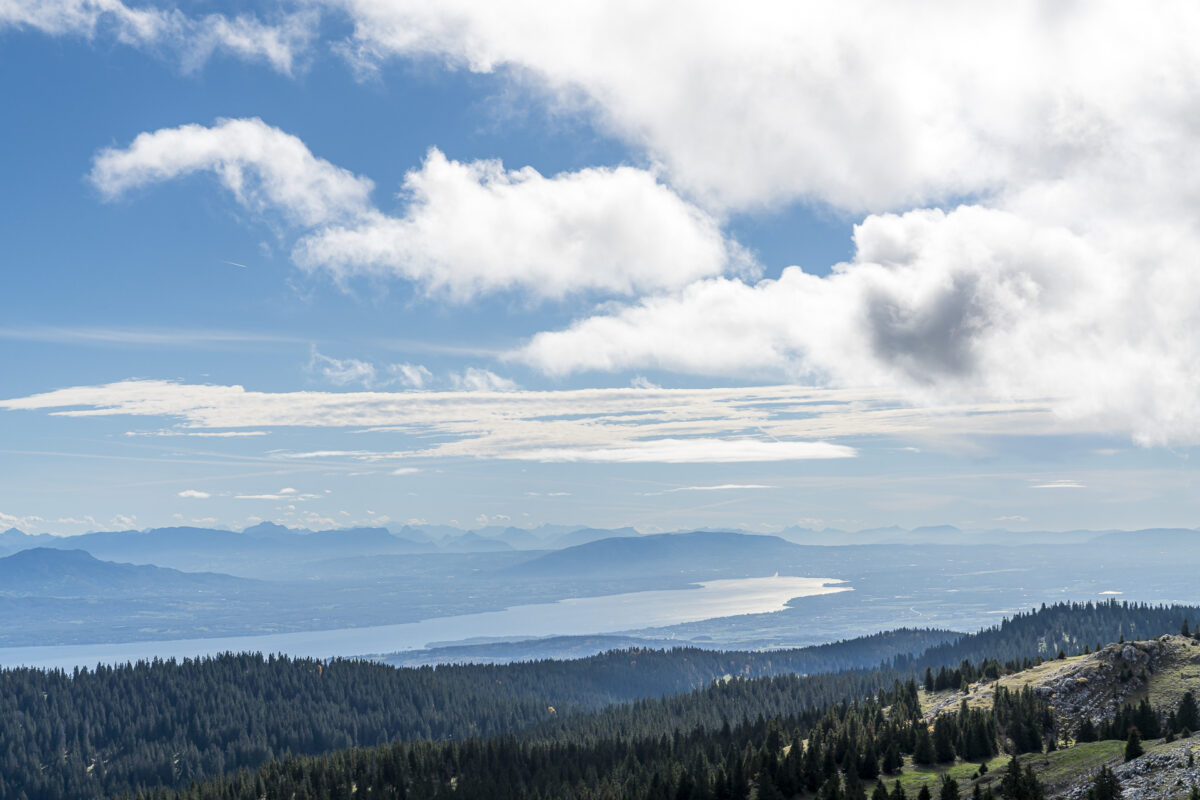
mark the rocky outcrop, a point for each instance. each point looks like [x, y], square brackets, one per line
[1155, 776]
[1099, 685]
[1092, 687]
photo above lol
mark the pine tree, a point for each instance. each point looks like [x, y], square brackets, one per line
[1133, 745]
[1187, 716]
[943, 739]
[923, 753]
[832, 790]
[1105, 786]
[949, 789]
[1020, 784]
[892, 761]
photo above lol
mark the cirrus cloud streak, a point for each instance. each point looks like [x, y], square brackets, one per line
[769, 423]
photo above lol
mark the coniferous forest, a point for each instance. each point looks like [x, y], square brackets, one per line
[676, 723]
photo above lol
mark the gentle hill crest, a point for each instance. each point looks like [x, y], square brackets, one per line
[662, 553]
[51, 572]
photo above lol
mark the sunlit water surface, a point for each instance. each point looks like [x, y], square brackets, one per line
[576, 616]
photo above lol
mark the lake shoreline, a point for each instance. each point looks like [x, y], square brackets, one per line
[570, 616]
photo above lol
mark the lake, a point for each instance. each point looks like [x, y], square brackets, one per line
[574, 616]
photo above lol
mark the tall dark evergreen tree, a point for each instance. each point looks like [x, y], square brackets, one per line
[1187, 716]
[1020, 784]
[1133, 745]
[1105, 786]
[923, 752]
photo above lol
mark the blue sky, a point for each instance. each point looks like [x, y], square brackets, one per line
[420, 236]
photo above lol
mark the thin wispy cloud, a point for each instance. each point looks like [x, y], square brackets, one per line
[193, 39]
[597, 425]
[147, 337]
[694, 451]
[723, 487]
[1059, 484]
[287, 494]
[200, 434]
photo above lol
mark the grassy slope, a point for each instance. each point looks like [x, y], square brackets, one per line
[1176, 671]
[1174, 676]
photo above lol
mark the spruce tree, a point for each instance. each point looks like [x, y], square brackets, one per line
[832, 790]
[1187, 716]
[943, 740]
[892, 761]
[923, 753]
[1105, 786]
[1133, 745]
[1020, 784]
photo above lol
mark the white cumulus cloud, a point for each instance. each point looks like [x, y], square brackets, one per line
[475, 227]
[466, 229]
[972, 303]
[263, 167]
[1025, 176]
[863, 105]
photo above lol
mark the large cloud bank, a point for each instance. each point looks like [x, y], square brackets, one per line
[1025, 176]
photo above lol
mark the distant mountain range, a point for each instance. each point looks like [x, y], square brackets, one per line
[660, 554]
[194, 548]
[295, 580]
[49, 572]
[268, 544]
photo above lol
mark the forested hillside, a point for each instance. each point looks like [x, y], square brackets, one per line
[839, 753]
[98, 732]
[116, 728]
[885, 745]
